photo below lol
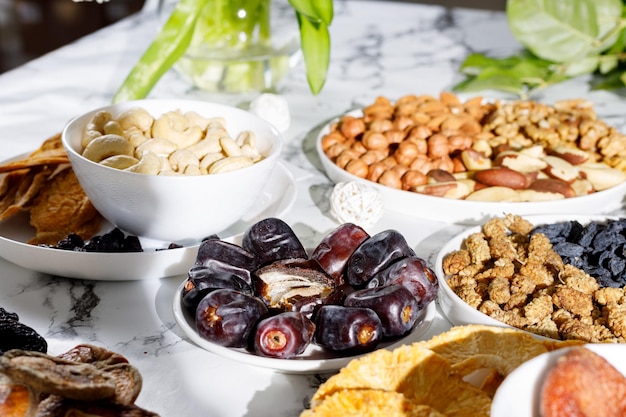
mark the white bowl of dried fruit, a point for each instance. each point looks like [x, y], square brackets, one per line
[465, 161]
[556, 276]
[172, 170]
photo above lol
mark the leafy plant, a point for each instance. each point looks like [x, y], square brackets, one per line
[187, 24]
[562, 39]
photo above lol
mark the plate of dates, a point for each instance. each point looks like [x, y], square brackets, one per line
[154, 260]
[264, 300]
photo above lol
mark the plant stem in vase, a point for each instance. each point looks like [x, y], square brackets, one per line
[241, 46]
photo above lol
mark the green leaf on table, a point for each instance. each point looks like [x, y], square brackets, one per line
[564, 30]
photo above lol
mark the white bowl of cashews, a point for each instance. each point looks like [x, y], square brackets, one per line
[172, 170]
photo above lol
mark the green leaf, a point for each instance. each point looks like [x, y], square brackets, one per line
[315, 40]
[315, 10]
[607, 64]
[582, 66]
[564, 30]
[611, 81]
[492, 79]
[168, 46]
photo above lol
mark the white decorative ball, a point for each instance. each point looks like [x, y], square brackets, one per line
[274, 109]
[356, 202]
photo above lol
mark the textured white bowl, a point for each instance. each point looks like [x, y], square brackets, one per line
[471, 212]
[175, 208]
[457, 311]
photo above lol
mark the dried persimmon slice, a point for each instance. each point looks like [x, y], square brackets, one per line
[583, 383]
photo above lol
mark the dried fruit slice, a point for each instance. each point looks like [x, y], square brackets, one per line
[474, 347]
[370, 403]
[421, 375]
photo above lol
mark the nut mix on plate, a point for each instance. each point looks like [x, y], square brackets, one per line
[174, 143]
[430, 378]
[477, 150]
[268, 295]
[512, 272]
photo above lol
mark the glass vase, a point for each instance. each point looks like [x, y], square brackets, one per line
[239, 46]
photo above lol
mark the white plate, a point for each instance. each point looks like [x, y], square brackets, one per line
[277, 197]
[519, 394]
[470, 212]
[313, 360]
[457, 311]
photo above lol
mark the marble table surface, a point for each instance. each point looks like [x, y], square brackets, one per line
[378, 49]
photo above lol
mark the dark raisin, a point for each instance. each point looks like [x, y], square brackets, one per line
[569, 249]
[16, 335]
[71, 242]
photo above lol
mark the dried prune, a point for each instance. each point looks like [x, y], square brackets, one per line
[8, 315]
[288, 283]
[335, 248]
[375, 254]
[17, 335]
[413, 273]
[396, 307]
[272, 239]
[284, 335]
[202, 280]
[347, 329]
[227, 317]
[222, 256]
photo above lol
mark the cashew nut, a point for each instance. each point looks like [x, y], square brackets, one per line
[136, 117]
[107, 145]
[230, 163]
[206, 146]
[183, 158]
[98, 121]
[230, 147]
[196, 119]
[158, 146]
[88, 136]
[113, 127]
[148, 164]
[174, 127]
[135, 136]
[119, 161]
[209, 159]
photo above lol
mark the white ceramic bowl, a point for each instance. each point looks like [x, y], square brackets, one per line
[471, 212]
[175, 208]
[457, 311]
[520, 392]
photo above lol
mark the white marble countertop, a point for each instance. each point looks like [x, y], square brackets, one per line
[378, 48]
